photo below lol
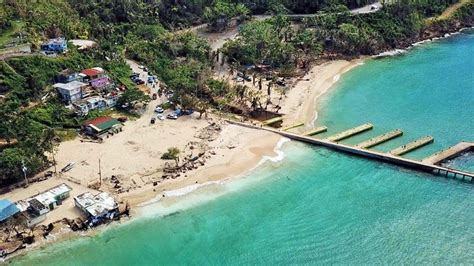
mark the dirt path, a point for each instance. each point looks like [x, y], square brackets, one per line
[450, 10]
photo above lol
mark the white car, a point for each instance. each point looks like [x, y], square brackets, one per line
[159, 109]
[161, 117]
[141, 67]
[172, 116]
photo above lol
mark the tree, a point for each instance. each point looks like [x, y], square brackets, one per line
[172, 154]
[130, 97]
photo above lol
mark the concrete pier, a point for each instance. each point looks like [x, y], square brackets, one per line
[449, 153]
[350, 132]
[412, 146]
[370, 154]
[293, 126]
[380, 139]
[272, 121]
[316, 131]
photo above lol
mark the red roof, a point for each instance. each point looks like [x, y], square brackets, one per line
[97, 121]
[91, 72]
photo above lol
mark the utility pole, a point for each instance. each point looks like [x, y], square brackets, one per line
[54, 163]
[24, 169]
[100, 175]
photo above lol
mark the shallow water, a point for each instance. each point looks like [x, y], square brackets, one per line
[319, 206]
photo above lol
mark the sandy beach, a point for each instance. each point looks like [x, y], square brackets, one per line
[134, 155]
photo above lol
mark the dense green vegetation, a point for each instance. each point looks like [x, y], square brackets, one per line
[333, 32]
[31, 113]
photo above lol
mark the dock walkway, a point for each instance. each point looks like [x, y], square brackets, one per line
[316, 131]
[350, 132]
[380, 139]
[449, 153]
[371, 154]
[412, 145]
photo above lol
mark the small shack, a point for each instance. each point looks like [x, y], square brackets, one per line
[35, 213]
[97, 208]
[7, 209]
[54, 196]
[101, 126]
[58, 45]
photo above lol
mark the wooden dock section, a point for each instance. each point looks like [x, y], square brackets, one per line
[380, 139]
[370, 154]
[412, 146]
[350, 132]
[449, 153]
[272, 121]
[316, 131]
[293, 126]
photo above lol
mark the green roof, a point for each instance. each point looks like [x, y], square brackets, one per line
[107, 124]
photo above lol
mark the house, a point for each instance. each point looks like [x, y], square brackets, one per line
[68, 75]
[101, 83]
[7, 209]
[35, 209]
[97, 208]
[54, 196]
[95, 103]
[71, 92]
[58, 45]
[111, 100]
[81, 109]
[101, 125]
[35, 213]
[92, 73]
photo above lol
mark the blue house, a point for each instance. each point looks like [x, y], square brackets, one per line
[7, 209]
[68, 75]
[58, 45]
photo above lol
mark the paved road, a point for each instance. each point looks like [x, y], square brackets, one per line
[374, 7]
[143, 76]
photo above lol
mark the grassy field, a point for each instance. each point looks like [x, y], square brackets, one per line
[11, 35]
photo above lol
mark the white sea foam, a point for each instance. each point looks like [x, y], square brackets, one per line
[391, 53]
[186, 190]
[280, 154]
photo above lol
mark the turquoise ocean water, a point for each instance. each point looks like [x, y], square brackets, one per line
[318, 206]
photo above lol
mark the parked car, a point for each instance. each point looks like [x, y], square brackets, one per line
[246, 77]
[141, 67]
[122, 119]
[139, 82]
[153, 120]
[161, 117]
[151, 80]
[145, 69]
[154, 96]
[281, 82]
[48, 174]
[159, 109]
[172, 116]
[188, 111]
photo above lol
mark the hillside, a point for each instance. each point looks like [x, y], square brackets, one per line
[144, 31]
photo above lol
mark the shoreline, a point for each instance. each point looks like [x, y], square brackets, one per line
[249, 153]
[250, 149]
